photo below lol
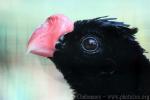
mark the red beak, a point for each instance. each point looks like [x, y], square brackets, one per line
[44, 38]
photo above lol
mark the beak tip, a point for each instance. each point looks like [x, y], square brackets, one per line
[28, 50]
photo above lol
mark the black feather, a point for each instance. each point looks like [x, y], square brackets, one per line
[119, 67]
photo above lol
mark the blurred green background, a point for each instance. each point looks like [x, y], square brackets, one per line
[19, 18]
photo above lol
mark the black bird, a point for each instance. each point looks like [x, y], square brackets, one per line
[101, 58]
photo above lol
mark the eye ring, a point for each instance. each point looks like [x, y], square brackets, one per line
[90, 44]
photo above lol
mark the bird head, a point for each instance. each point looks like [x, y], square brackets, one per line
[92, 43]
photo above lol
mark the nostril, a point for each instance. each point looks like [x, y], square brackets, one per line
[60, 43]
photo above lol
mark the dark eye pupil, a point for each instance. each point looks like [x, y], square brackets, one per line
[89, 44]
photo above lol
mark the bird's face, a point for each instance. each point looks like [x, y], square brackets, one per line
[92, 46]
[86, 48]
[89, 44]
[80, 47]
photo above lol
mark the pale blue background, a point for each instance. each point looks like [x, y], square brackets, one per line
[19, 18]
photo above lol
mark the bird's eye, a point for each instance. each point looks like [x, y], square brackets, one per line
[90, 44]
